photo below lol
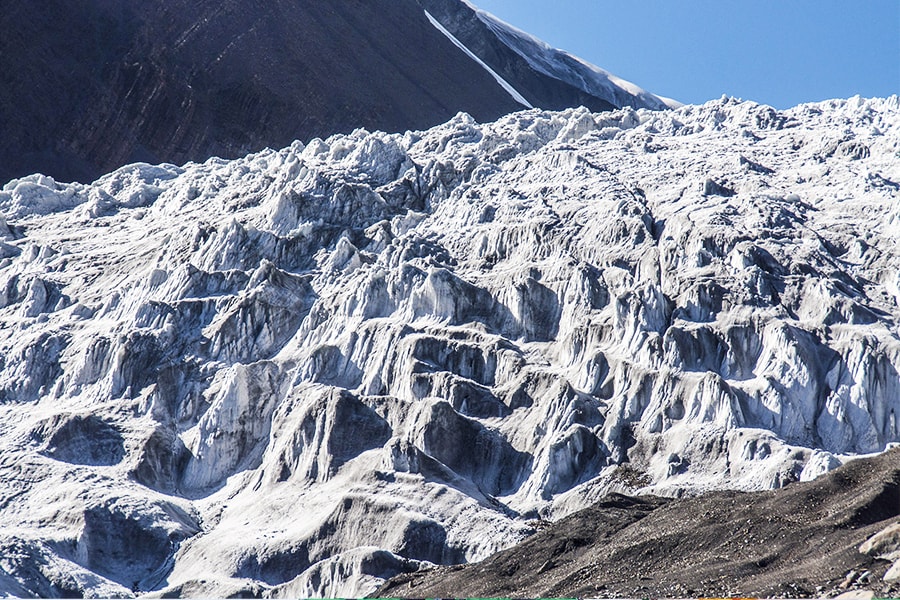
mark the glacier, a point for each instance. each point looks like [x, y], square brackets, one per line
[305, 371]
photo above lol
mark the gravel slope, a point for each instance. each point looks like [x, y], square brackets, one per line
[799, 541]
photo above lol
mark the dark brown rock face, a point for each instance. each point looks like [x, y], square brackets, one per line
[88, 86]
[800, 541]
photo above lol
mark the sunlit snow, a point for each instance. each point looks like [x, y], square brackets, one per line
[304, 371]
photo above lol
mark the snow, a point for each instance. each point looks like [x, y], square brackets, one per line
[560, 64]
[303, 371]
[503, 83]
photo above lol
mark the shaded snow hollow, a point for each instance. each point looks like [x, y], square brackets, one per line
[304, 371]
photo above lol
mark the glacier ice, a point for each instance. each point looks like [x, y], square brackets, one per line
[304, 371]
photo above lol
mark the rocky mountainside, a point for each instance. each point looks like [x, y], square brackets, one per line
[546, 77]
[90, 86]
[305, 371]
[802, 541]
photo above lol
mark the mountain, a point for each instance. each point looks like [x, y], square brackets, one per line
[546, 77]
[304, 371]
[807, 540]
[90, 86]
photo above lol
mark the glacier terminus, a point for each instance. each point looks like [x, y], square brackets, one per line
[302, 372]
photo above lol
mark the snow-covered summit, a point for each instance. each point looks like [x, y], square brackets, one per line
[567, 67]
[303, 371]
[541, 75]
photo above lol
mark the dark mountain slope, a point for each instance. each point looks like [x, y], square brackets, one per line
[538, 88]
[88, 86]
[798, 541]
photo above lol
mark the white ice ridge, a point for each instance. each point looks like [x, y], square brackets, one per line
[503, 83]
[562, 65]
[304, 371]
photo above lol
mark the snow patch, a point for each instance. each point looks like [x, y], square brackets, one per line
[503, 83]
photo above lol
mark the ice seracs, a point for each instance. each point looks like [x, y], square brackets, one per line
[306, 370]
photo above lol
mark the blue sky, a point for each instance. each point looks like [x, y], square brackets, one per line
[778, 52]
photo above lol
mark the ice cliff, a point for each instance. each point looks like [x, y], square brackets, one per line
[304, 371]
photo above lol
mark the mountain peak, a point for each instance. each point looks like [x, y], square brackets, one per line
[559, 64]
[100, 84]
